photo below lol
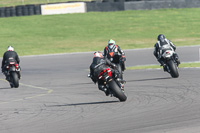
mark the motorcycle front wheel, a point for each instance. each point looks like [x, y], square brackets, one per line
[173, 69]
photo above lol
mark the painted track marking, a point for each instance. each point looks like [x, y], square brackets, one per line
[29, 97]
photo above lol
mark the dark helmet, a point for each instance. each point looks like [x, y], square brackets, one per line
[161, 38]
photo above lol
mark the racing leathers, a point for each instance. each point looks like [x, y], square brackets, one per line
[9, 56]
[97, 66]
[158, 51]
[116, 49]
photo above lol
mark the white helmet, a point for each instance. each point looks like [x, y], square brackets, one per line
[111, 43]
[10, 48]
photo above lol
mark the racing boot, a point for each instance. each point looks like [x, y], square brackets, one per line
[123, 66]
[19, 74]
[121, 80]
[104, 89]
[7, 76]
[165, 67]
[122, 87]
[177, 59]
[161, 62]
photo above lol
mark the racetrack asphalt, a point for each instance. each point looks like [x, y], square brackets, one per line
[55, 96]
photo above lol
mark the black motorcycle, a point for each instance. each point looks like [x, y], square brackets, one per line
[13, 76]
[113, 86]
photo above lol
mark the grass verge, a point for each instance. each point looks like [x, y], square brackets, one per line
[182, 65]
[34, 35]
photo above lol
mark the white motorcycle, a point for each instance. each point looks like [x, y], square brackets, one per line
[168, 54]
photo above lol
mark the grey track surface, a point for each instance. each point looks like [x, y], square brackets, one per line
[55, 96]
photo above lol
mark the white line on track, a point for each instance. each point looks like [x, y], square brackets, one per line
[29, 97]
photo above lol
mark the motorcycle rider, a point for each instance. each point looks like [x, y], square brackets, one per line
[101, 63]
[112, 47]
[9, 56]
[158, 50]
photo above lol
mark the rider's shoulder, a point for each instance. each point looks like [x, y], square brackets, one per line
[117, 46]
[156, 44]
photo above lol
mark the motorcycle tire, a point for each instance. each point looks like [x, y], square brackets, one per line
[173, 69]
[117, 91]
[15, 79]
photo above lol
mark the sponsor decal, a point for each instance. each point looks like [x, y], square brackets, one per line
[63, 8]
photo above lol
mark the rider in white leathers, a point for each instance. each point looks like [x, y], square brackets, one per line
[158, 50]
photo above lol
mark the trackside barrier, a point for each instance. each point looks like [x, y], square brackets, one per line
[105, 6]
[97, 5]
[24, 10]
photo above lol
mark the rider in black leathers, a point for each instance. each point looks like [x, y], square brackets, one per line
[115, 48]
[158, 51]
[101, 63]
[9, 55]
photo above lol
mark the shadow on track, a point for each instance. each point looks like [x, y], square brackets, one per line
[6, 88]
[89, 103]
[81, 83]
[149, 79]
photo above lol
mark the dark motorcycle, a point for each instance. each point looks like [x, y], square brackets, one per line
[117, 60]
[114, 87]
[13, 70]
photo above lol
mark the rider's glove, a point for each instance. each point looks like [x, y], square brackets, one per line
[123, 58]
[114, 66]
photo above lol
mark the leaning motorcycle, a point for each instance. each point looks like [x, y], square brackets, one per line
[169, 57]
[117, 60]
[13, 70]
[115, 88]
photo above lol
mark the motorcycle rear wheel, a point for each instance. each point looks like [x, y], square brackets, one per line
[14, 79]
[117, 91]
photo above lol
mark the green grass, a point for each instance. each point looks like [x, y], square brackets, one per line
[39, 34]
[7, 3]
[182, 65]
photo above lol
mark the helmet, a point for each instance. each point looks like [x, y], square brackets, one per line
[10, 48]
[111, 42]
[98, 54]
[161, 38]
